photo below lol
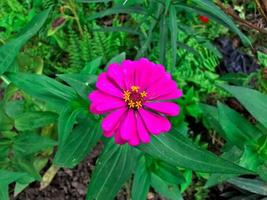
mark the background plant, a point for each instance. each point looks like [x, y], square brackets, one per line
[48, 69]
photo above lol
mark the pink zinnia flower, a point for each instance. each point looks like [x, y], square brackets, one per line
[135, 95]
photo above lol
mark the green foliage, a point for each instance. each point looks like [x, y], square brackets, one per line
[195, 67]
[186, 154]
[41, 109]
[74, 50]
[9, 51]
[201, 192]
[262, 59]
[78, 144]
[113, 168]
[239, 132]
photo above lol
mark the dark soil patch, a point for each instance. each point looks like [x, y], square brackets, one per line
[71, 184]
[68, 184]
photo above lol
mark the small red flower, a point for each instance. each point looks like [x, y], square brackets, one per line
[203, 19]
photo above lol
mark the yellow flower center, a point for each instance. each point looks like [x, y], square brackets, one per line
[134, 98]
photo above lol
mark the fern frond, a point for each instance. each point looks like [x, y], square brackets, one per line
[85, 45]
[74, 50]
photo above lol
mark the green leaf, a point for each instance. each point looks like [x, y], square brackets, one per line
[251, 158]
[174, 32]
[4, 192]
[43, 88]
[117, 59]
[113, 168]
[233, 155]
[9, 51]
[117, 10]
[125, 29]
[234, 78]
[141, 182]
[14, 109]
[145, 45]
[211, 118]
[168, 173]
[168, 190]
[93, 1]
[251, 185]
[92, 67]
[178, 150]
[19, 187]
[163, 39]
[7, 177]
[78, 144]
[29, 143]
[252, 100]
[33, 120]
[24, 182]
[237, 129]
[25, 164]
[5, 122]
[66, 121]
[79, 82]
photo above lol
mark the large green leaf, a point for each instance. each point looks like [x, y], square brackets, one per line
[33, 120]
[79, 82]
[117, 10]
[146, 44]
[211, 118]
[166, 189]
[141, 182]
[78, 144]
[5, 122]
[9, 51]
[117, 59]
[26, 164]
[29, 143]
[178, 150]
[232, 155]
[174, 32]
[237, 129]
[252, 185]
[67, 119]
[4, 192]
[43, 88]
[92, 67]
[7, 177]
[252, 100]
[163, 39]
[168, 173]
[113, 168]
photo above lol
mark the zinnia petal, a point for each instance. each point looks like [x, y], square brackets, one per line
[115, 73]
[142, 130]
[164, 89]
[118, 139]
[105, 108]
[166, 108]
[111, 121]
[128, 126]
[105, 85]
[128, 68]
[155, 123]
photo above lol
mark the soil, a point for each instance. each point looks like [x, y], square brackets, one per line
[68, 184]
[71, 184]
